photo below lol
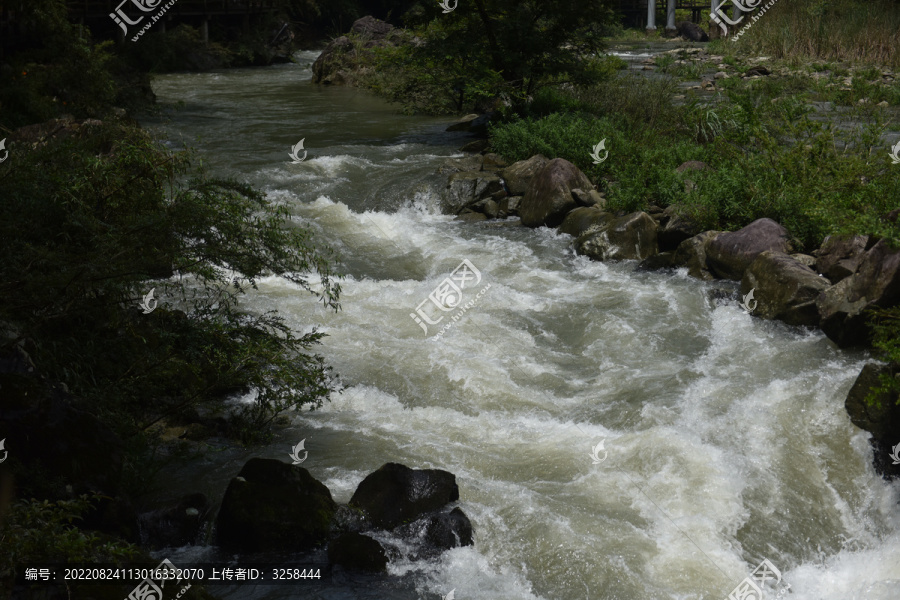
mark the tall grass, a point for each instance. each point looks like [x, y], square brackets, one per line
[841, 30]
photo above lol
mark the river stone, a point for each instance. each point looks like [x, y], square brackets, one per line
[493, 162]
[396, 494]
[467, 188]
[272, 505]
[630, 237]
[357, 551]
[509, 206]
[839, 257]
[519, 174]
[176, 526]
[675, 229]
[658, 262]
[370, 27]
[691, 31]
[463, 124]
[329, 63]
[460, 165]
[876, 283]
[691, 254]
[589, 197]
[549, 196]
[729, 255]
[881, 418]
[581, 219]
[785, 289]
[437, 532]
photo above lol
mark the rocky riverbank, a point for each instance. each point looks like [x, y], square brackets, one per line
[831, 288]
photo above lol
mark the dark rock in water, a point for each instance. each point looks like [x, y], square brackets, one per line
[175, 526]
[549, 196]
[691, 31]
[467, 188]
[272, 505]
[464, 124]
[436, 533]
[658, 262]
[357, 551]
[784, 289]
[632, 236]
[590, 197]
[340, 60]
[509, 206]
[876, 283]
[328, 65]
[396, 494]
[518, 175]
[46, 434]
[881, 418]
[493, 162]
[839, 258]
[582, 219]
[676, 229]
[691, 254]
[729, 255]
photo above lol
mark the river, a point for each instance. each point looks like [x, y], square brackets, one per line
[725, 439]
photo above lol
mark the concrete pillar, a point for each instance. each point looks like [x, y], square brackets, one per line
[670, 16]
[651, 15]
[714, 31]
[204, 29]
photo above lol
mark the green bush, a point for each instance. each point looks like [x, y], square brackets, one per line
[92, 221]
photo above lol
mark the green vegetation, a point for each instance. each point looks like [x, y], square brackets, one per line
[491, 52]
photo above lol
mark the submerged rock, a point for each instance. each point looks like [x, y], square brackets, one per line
[396, 494]
[357, 551]
[881, 417]
[272, 505]
[630, 237]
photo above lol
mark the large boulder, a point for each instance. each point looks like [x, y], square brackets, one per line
[341, 60]
[396, 494]
[785, 289]
[469, 187]
[691, 32]
[632, 236]
[691, 254]
[729, 255]
[518, 175]
[876, 283]
[881, 417]
[272, 505]
[840, 257]
[357, 551]
[583, 218]
[549, 196]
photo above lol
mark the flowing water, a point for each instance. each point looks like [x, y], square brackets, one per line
[725, 439]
